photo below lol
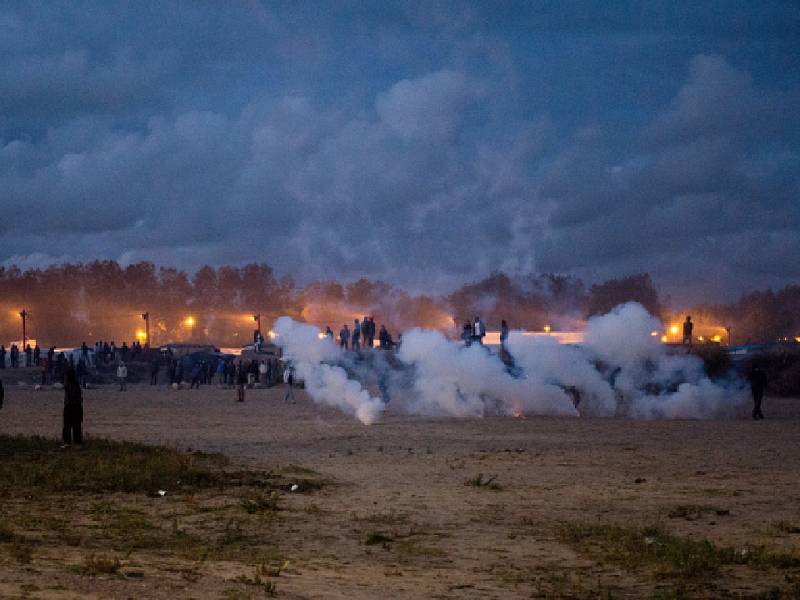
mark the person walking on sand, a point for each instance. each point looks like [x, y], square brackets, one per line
[288, 378]
[758, 384]
[122, 376]
[73, 410]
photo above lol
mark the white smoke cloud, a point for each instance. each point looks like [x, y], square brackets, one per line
[326, 383]
[452, 379]
[619, 370]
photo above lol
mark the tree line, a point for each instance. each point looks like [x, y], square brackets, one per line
[103, 300]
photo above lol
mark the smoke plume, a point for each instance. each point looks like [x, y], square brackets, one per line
[619, 370]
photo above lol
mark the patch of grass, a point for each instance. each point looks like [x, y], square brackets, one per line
[692, 512]
[479, 482]
[653, 546]
[267, 586]
[377, 537]
[786, 527]
[261, 503]
[98, 565]
[102, 466]
[20, 550]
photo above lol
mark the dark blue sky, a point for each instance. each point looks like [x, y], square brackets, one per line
[424, 143]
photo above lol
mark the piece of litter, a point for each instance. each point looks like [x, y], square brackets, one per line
[162, 492]
[295, 487]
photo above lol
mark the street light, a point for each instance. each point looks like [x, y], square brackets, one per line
[189, 322]
[547, 329]
[24, 314]
[257, 319]
[146, 317]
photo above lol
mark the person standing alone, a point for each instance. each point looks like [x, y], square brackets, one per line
[122, 376]
[758, 385]
[73, 409]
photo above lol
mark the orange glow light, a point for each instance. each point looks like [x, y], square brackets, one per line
[189, 321]
[674, 330]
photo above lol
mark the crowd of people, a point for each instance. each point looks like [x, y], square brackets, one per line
[362, 335]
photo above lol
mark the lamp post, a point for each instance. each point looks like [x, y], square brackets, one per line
[728, 331]
[24, 314]
[257, 319]
[146, 317]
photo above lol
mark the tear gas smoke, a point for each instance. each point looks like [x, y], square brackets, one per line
[315, 361]
[619, 370]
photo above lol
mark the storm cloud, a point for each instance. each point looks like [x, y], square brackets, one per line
[426, 144]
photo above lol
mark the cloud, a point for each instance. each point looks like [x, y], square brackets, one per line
[397, 146]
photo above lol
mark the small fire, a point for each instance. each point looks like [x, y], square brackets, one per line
[518, 414]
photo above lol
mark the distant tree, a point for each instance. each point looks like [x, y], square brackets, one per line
[604, 297]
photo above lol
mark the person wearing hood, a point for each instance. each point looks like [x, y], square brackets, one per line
[73, 409]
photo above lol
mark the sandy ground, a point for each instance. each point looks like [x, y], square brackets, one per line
[405, 476]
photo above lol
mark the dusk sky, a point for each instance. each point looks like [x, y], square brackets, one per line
[427, 144]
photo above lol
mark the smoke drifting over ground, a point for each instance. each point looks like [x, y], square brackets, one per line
[620, 370]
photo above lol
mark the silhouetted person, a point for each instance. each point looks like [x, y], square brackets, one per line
[154, 372]
[37, 354]
[80, 371]
[758, 384]
[329, 332]
[241, 381]
[73, 409]
[466, 333]
[196, 374]
[688, 328]
[28, 355]
[2, 357]
[503, 334]
[344, 337]
[355, 344]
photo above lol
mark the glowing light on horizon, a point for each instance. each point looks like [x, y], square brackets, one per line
[547, 328]
[664, 338]
[189, 321]
[654, 333]
[141, 335]
[674, 330]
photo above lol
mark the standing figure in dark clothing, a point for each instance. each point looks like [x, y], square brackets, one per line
[758, 384]
[28, 355]
[355, 342]
[2, 357]
[196, 375]
[241, 381]
[37, 354]
[73, 409]
[688, 327]
[80, 371]
[466, 333]
[154, 372]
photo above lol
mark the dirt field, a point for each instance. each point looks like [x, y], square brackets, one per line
[573, 508]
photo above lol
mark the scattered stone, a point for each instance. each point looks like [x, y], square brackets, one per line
[640, 480]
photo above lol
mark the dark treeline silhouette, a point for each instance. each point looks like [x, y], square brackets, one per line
[102, 300]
